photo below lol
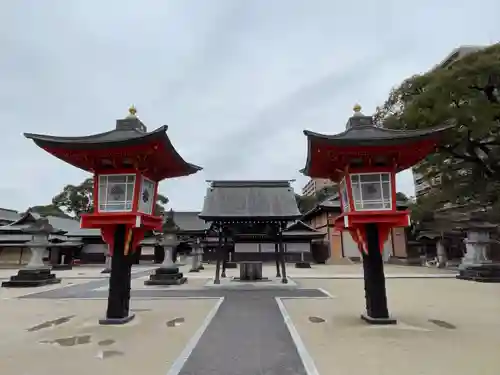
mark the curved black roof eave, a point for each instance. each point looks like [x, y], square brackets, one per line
[391, 133]
[96, 139]
[91, 141]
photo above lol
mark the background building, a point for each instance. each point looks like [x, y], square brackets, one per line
[315, 185]
[422, 184]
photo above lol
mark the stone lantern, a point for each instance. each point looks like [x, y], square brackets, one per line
[168, 272]
[196, 256]
[364, 160]
[36, 273]
[476, 264]
[127, 164]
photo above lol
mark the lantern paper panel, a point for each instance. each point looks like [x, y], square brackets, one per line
[344, 196]
[146, 196]
[116, 192]
[371, 191]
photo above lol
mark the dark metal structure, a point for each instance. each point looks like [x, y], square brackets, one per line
[233, 207]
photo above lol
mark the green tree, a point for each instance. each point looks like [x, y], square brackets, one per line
[48, 210]
[78, 199]
[401, 197]
[465, 94]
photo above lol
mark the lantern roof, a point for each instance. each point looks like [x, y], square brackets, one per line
[363, 144]
[128, 146]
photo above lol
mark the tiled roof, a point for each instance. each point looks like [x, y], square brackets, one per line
[9, 215]
[247, 200]
[190, 221]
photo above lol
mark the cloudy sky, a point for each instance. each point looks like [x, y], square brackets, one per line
[236, 81]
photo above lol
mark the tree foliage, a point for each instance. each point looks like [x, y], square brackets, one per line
[75, 200]
[465, 94]
[48, 210]
[401, 197]
[308, 202]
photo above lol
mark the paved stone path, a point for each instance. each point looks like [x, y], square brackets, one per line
[247, 334]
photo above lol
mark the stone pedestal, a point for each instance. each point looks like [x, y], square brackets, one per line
[107, 264]
[230, 263]
[36, 273]
[62, 265]
[476, 264]
[250, 271]
[194, 263]
[181, 260]
[168, 273]
[442, 259]
[200, 259]
[302, 263]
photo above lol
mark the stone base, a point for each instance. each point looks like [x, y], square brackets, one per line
[231, 265]
[486, 273]
[26, 278]
[106, 270]
[116, 321]
[166, 276]
[62, 267]
[263, 279]
[378, 321]
[302, 265]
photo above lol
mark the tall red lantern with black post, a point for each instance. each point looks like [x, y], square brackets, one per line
[127, 163]
[364, 160]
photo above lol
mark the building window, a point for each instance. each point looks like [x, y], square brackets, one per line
[372, 191]
[344, 196]
[116, 192]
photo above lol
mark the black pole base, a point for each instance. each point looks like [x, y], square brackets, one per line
[106, 270]
[200, 267]
[118, 311]
[374, 280]
[27, 278]
[116, 321]
[223, 274]
[166, 276]
[62, 267]
[302, 265]
[217, 282]
[378, 321]
[284, 281]
[194, 270]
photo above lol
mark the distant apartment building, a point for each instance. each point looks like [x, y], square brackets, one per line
[314, 185]
[422, 184]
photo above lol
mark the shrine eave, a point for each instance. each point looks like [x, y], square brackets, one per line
[374, 136]
[156, 144]
[328, 155]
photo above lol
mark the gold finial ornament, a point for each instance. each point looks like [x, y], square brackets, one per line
[357, 108]
[132, 110]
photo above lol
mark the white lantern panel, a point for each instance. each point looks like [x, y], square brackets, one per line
[344, 196]
[371, 191]
[146, 196]
[116, 192]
